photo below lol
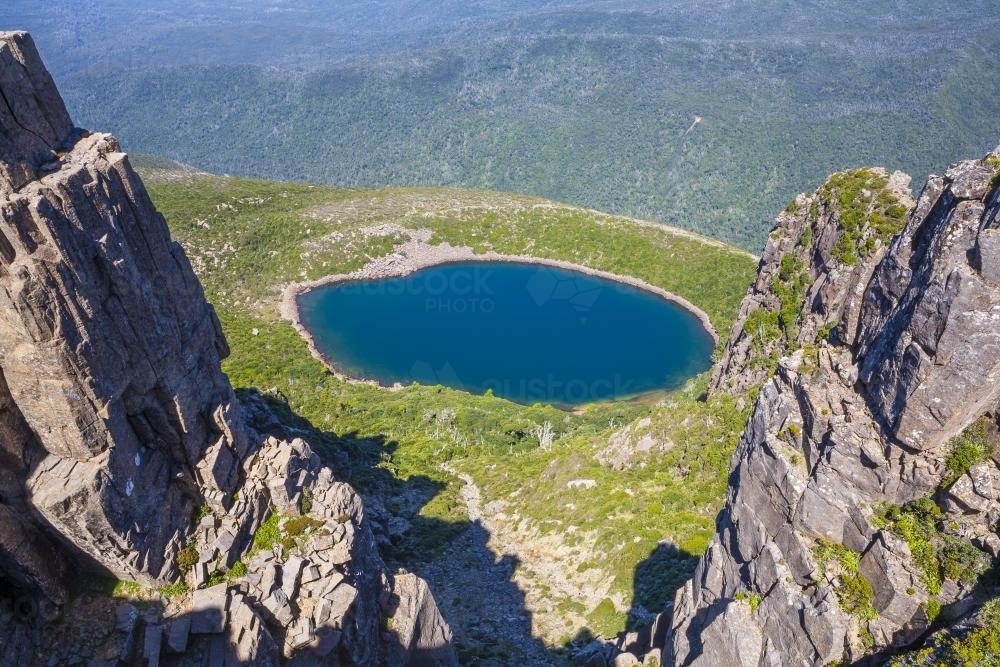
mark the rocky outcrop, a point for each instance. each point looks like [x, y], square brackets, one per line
[110, 353]
[32, 110]
[124, 450]
[817, 260]
[929, 345]
[862, 505]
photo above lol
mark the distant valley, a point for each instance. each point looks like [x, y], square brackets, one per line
[590, 103]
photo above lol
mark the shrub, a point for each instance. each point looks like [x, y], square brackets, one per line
[763, 326]
[938, 555]
[201, 512]
[268, 533]
[790, 288]
[606, 620]
[854, 591]
[825, 331]
[187, 558]
[305, 501]
[237, 571]
[867, 211]
[968, 449]
[915, 523]
[995, 163]
[932, 608]
[845, 250]
[960, 561]
[982, 645]
[298, 525]
[752, 598]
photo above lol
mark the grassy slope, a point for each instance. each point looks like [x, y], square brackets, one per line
[247, 238]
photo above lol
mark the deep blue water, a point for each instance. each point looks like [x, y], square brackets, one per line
[529, 333]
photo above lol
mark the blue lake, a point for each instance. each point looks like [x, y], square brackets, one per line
[529, 333]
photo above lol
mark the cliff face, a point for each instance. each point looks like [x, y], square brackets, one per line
[824, 246]
[862, 504]
[110, 353]
[123, 448]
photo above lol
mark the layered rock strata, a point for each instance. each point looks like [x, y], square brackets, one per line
[119, 420]
[123, 448]
[863, 497]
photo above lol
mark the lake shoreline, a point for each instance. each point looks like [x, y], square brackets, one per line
[417, 254]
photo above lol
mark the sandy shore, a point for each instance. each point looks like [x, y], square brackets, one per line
[417, 253]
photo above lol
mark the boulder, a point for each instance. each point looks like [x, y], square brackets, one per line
[208, 610]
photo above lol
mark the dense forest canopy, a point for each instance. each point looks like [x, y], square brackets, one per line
[589, 102]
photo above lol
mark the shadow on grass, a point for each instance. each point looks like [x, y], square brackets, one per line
[472, 585]
[656, 581]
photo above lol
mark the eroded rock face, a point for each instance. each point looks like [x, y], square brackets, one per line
[122, 444]
[814, 267]
[31, 109]
[851, 425]
[930, 345]
[109, 352]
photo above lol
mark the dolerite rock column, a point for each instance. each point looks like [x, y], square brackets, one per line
[116, 420]
[805, 568]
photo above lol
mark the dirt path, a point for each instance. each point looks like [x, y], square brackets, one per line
[473, 585]
[470, 493]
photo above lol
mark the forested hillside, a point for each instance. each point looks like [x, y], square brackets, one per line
[592, 103]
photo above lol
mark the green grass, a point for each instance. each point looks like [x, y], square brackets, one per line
[854, 591]
[970, 448]
[248, 238]
[268, 534]
[938, 554]
[173, 590]
[239, 569]
[124, 588]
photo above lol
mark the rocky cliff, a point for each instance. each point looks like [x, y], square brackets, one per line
[862, 506]
[123, 448]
